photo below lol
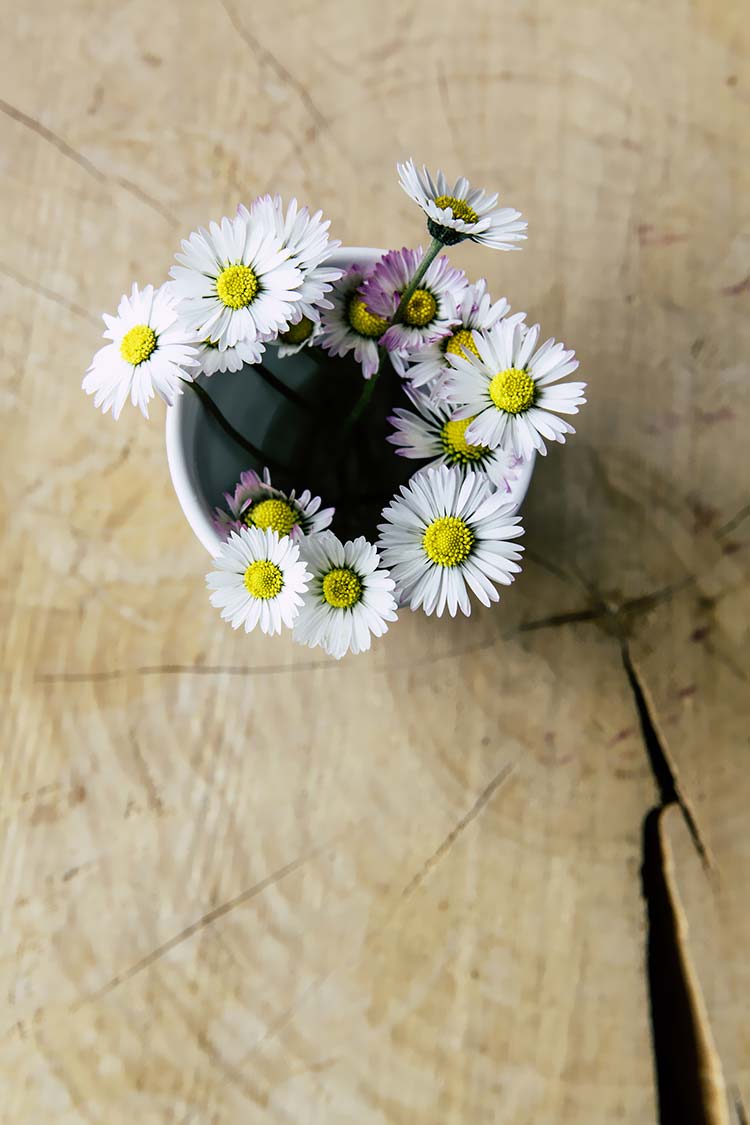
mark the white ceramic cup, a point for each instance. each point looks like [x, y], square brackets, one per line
[184, 452]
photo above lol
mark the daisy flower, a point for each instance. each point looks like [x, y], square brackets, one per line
[475, 311]
[302, 333]
[447, 531]
[256, 503]
[350, 325]
[431, 311]
[150, 351]
[459, 212]
[235, 281]
[432, 434]
[305, 236]
[508, 389]
[260, 580]
[350, 596]
[212, 358]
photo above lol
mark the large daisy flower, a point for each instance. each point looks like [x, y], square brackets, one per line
[432, 434]
[475, 311]
[212, 358]
[150, 351]
[260, 580]
[447, 531]
[256, 503]
[508, 389]
[350, 325]
[236, 281]
[431, 311]
[350, 596]
[305, 236]
[459, 212]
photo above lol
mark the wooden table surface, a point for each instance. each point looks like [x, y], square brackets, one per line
[241, 882]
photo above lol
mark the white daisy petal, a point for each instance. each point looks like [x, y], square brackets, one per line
[350, 595]
[512, 402]
[457, 538]
[433, 434]
[260, 580]
[151, 352]
[237, 281]
[457, 213]
[430, 366]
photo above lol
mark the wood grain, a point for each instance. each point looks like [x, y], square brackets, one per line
[241, 882]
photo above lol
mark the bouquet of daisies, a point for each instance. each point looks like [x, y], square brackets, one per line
[480, 396]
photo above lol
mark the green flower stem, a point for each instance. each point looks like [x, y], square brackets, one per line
[361, 404]
[281, 387]
[210, 406]
[432, 252]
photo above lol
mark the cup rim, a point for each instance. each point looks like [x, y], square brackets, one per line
[182, 417]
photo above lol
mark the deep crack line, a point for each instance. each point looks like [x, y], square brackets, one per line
[661, 763]
[687, 1070]
[685, 1061]
[739, 1107]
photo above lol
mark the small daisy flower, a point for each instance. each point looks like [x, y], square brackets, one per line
[432, 434]
[431, 311]
[256, 503]
[302, 333]
[460, 212]
[508, 389]
[260, 580]
[236, 281]
[150, 351]
[212, 358]
[476, 311]
[305, 236]
[447, 531]
[350, 325]
[350, 596]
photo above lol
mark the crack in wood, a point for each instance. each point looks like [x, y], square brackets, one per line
[111, 674]
[739, 1108]
[686, 1069]
[665, 774]
[688, 1072]
[267, 57]
[449, 840]
[50, 295]
[201, 923]
[82, 161]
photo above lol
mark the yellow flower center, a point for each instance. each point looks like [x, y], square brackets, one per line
[276, 514]
[459, 207]
[299, 332]
[448, 541]
[237, 286]
[457, 449]
[342, 588]
[263, 579]
[137, 344]
[209, 343]
[462, 341]
[421, 308]
[512, 390]
[363, 321]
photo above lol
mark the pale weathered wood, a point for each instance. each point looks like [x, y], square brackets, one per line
[239, 882]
